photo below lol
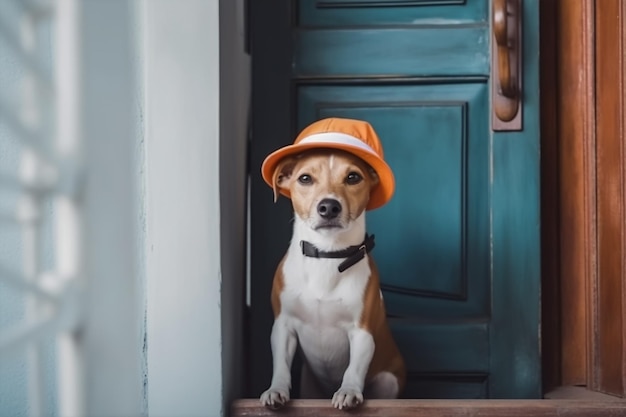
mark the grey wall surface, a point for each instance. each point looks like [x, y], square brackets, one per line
[234, 107]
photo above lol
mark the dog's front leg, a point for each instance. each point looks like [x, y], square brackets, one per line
[283, 341]
[350, 394]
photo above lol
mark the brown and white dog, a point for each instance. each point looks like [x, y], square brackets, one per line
[326, 294]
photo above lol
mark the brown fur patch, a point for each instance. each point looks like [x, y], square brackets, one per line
[282, 173]
[277, 287]
[386, 357]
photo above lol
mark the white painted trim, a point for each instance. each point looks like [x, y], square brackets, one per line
[182, 207]
[340, 138]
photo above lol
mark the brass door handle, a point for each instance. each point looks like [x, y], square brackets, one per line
[506, 64]
[501, 35]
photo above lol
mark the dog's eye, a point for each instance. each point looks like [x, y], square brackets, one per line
[353, 178]
[305, 179]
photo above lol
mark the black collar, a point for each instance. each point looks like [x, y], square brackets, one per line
[353, 254]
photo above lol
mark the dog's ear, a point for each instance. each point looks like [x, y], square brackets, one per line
[374, 177]
[282, 173]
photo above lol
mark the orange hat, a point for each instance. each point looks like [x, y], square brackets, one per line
[354, 136]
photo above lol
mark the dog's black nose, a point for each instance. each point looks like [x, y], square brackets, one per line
[329, 208]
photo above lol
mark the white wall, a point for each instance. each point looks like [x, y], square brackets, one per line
[196, 116]
[182, 207]
[185, 139]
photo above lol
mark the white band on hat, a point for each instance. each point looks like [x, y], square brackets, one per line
[335, 137]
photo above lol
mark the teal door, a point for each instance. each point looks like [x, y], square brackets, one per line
[458, 245]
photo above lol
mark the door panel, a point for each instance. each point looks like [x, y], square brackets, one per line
[423, 233]
[391, 52]
[457, 244]
[441, 202]
[444, 359]
[380, 12]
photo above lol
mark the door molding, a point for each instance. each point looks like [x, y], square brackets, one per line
[583, 194]
[576, 131]
[568, 181]
[608, 354]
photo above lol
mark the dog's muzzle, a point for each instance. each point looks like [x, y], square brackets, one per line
[329, 208]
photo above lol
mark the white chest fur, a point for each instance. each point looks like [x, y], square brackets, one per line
[322, 305]
[317, 293]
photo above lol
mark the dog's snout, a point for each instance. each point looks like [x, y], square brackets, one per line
[329, 208]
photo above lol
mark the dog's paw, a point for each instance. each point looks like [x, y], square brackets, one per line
[346, 398]
[275, 398]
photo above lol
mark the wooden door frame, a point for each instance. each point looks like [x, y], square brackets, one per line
[583, 71]
[608, 372]
[566, 53]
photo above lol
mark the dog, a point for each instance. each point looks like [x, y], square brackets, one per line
[326, 294]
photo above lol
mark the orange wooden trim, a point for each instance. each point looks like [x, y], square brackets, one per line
[576, 131]
[623, 130]
[609, 349]
[591, 114]
[436, 408]
[590, 180]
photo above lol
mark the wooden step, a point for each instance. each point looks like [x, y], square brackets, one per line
[438, 408]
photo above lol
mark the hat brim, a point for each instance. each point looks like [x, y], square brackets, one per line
[380, 194]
